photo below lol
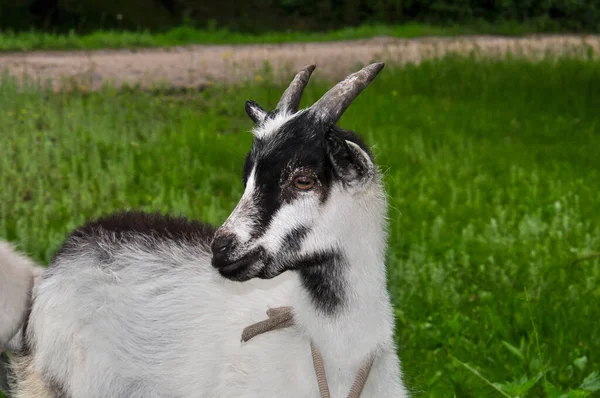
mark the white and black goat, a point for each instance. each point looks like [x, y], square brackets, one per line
[145, 305]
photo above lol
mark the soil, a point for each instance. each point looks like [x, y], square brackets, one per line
[200, 65]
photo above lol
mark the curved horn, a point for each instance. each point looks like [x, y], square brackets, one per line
[290, 99]
[333, 103]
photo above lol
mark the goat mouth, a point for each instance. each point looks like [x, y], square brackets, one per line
[240, 270]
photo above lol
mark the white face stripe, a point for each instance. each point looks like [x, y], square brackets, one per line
[241, 221]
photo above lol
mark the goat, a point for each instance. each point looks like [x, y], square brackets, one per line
[148, 305]
[19, 274]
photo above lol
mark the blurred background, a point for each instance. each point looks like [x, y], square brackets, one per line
[258, 16]
[485, 122]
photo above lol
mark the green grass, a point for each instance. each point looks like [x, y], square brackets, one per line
[183, 35]
[493, 172]
[187, 35]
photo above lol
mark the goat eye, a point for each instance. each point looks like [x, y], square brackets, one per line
[304, 183]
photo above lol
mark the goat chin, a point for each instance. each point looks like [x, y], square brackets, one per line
[19, 275]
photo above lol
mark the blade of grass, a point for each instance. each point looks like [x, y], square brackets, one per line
[480, 376]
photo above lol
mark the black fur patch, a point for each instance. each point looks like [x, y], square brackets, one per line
[321, 276]
[125, 225]
[352, 137]
[349, 165]
[255, 111]
[293, 240]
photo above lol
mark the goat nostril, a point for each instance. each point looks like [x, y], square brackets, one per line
[222, 244]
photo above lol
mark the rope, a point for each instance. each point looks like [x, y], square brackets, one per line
[279, 318]
[283, 317]
[319, 371]
[361, 379]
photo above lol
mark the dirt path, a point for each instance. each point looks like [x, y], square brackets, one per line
[194, 66]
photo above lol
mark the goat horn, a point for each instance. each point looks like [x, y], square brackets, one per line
[290, 100]
[331, 106]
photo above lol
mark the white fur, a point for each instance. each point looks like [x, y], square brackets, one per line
[271, 126]
[241, 220]
[17, 274]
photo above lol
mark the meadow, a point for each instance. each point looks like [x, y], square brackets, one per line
[493, 174]
[187, 35]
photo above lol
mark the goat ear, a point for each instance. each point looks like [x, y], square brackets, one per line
[256, 113]
[350, 162]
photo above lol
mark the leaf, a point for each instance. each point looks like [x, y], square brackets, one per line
[514, 350]
[436, 377]
[581, 362]
[519, 387]
[496, 386]
[577, 394]
[553, 392]
[591, 383]
[534, 364]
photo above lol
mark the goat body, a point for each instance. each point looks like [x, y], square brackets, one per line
[156, 321]
[18, 276]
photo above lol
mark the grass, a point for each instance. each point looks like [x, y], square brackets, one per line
[493, 173]
[184, 35]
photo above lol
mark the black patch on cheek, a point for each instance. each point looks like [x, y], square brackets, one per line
[269, 270]
[293, 240]
[321, 276]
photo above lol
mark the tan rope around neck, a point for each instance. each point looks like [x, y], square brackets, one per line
[278, 318]
[319, 371]
[283, 317]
